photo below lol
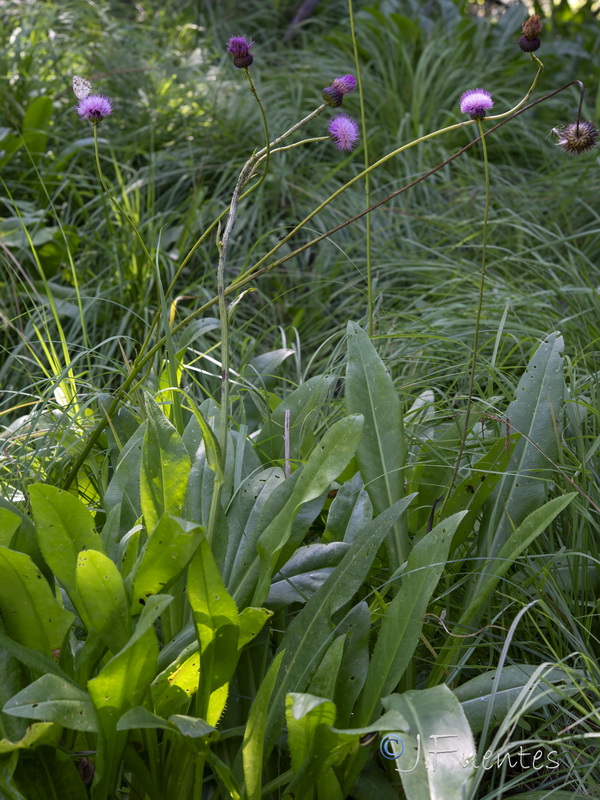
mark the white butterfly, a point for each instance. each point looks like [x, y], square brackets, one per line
[81, 87]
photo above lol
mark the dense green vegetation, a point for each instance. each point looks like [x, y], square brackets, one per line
[382, 529]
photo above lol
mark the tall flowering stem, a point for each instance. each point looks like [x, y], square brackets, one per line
[486, 169]
[363, 125]
[243, 179]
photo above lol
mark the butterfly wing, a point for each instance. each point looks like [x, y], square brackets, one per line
[81, 87]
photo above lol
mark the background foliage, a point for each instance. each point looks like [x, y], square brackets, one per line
[316, 569]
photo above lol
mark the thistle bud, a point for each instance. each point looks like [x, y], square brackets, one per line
[577, 137]
[530, 40]
[334, 95]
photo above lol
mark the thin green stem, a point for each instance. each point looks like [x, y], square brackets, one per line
[363, 125]
[486, 169]
[265, 129]
[114, 200]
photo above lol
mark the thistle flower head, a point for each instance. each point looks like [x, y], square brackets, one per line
[333, 95]
[94, 108]
[476, 102]
[343, 131]
[239, 48]
[577, 137]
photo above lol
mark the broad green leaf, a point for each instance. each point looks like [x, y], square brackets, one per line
[121, 685]
[305, 405]
[251, 622]
[326, 463]
[102, 596]
[212, 449]
[439, 731]
[526, 683]
[494, 570]
[382, 451]
[403, 619]
[140, 717]
[30, 612]
[321, 746]
[164, 468]
[254, 732]
[431, 471]
[313, 744]
[356, 627]
[536, 413]
[258, 501]
[304, 713]
[47, 733]
[350, 511]
[37, 661]
[64, 528]
[53, 699]
[49, 774]
[373, 784]
[12, 680]
[324, 679]
[9, 524]
[311, 632]
[168, 551]
[122, 497]
[178, 683]
[194, 727]
[304, 573]
[474, 490]
[215, 616]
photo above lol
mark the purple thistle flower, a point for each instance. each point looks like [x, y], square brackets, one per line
[333, 95]
[239, 48]
[476, 102]
[343, 131]
[345, 84]
[94, 107]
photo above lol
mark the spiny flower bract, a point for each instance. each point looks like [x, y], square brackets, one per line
[476, 102]
[239, 48]
[577, 137]
[343, 131]
[94, 108]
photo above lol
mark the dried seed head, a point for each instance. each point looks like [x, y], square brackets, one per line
[532, 27]
[577, 137]
[530, 40]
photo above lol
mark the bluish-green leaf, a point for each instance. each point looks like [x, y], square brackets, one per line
[403, 619]
[505, 688]
[437, 747]
[327, 461]
[53, 699]
[382, 451]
